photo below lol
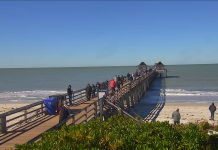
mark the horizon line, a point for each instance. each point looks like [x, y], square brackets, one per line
[99, 66]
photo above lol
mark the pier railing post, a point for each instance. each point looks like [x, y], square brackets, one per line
[95, 109]
[73, 97]
[86, 115]
[73, 119]
[3, 125]
[42, 109]
[25, 116]
[101, 106]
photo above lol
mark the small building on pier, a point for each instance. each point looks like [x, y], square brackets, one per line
[160, 68]
[142, 66]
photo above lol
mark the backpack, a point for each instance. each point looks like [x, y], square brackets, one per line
[60, 111]
[93, 88]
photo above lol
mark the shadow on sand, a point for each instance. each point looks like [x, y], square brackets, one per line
[153, 101]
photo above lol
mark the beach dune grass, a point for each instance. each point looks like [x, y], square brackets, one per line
[120, 132]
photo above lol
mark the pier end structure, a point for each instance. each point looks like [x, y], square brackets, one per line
[160, 69]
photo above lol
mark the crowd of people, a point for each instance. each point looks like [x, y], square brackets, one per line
[115, 83]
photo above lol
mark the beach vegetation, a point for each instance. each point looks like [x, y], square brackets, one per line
[120, 132]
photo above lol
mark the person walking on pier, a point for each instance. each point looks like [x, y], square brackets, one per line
[88, 92]
[176, 116]
[69, 92]
[212, 109]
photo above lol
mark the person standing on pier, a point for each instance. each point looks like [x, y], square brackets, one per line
[112, 98]
[106, 84]
[93, 90]
[88, 92]
[115, 78]
[112, 85]
[212, 109]
[117, 84]
[98, 86]
[176, 116]
[118, 78]
[64, 112]
[69, 92]
[122, 79]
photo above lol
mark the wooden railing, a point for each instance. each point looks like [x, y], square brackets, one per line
[17, 117]
[20, 116]
[118, 109]
[85, 115]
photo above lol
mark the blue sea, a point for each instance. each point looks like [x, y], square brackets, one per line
[184, 84]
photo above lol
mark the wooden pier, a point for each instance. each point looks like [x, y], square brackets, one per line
[31, 120]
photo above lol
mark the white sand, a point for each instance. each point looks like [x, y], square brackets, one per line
[189, 113]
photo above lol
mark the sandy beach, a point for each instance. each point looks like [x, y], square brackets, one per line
[8, 106]
[163, 112]
[189, 113]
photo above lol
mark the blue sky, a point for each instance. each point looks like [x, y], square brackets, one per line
[107, 33]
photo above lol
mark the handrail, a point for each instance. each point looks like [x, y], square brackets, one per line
[20, 109]
[120, 109]
[78, 95]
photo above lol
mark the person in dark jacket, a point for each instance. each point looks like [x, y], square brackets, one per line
[69, 92]
[118, 78]
[64, 112]
[117, 84]
[212, 109]
[93, 90]
[88, 92]
[106, 84]
[122, 79]
[98, 86]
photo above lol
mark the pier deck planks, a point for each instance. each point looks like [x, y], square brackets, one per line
[36, 127]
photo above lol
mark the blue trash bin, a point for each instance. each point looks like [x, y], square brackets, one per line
[51, 105]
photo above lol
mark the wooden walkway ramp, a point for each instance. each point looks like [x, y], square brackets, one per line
[36, 127]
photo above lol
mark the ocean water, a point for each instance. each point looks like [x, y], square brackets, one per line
[185, 83]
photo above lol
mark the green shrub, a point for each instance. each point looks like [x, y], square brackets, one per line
[120, 132]
[203, 125]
